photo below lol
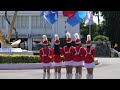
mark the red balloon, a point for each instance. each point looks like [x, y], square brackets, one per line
[69, 14]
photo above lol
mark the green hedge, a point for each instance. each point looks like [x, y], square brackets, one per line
[9, 59]
[4, 58]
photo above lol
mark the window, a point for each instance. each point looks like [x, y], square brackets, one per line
[24, 22]
[21, 21]
[33, 20]
[47, 25]
[40, 22]
[18, 22]
[37, 22]
[2, 22]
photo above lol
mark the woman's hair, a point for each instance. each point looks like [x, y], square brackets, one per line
[69, 44]
[88, 46]
[44, 46]
[78, 45]
[56, 49]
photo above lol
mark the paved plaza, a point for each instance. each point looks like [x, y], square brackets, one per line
[109, 68]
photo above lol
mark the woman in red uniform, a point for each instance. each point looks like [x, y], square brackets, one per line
[78, 59]
[45, 53]
[89, 58]
[56, 56]
[68, 56]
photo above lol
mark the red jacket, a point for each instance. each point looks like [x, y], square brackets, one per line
[68, 53]
[79, 54]
[90, 54]
[44, 55]
[56, 58]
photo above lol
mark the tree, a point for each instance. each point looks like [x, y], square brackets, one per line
[100, 38]
[84, 30]
[96, 13]
[111, 26]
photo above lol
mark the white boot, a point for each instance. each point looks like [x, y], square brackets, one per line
[48, 76]
[79, 76]
[59, 75]
[44, 75]
[76, 75]
[55, 74]
[90, 76]
[67, 76]
[87, 76]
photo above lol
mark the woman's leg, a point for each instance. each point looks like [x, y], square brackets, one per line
[48, 72]
[80, 72]
[55, 73]
[90, 73]
[67, 71]
[44, 72]
[70, 71]
[77, 72]
[59, 72]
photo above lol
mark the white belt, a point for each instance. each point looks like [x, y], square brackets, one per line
[44, 55]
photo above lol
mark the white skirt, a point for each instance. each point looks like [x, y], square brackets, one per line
[68, 63]
[46, 64]
[80, 63]
[57, 64]
[89, 65]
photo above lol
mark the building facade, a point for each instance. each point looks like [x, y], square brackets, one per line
[31, 26]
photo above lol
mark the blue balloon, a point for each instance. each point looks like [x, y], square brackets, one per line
[82, 14]
[73, 21]
[78, 17]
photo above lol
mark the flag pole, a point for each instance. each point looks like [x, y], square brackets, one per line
[65, 29]
[90, 30]
[52, 37]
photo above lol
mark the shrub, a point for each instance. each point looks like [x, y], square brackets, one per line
[4, 58]
[100, 38]
[9, 59]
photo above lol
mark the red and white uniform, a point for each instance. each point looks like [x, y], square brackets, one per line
[89, 58]
[79, 56]
[44, 56]
[68, 55]
[57, 60]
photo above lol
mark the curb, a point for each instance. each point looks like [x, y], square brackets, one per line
[22, 66]
[28, 66]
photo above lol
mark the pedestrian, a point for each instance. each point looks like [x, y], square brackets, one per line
[56, 57]
[89, 58]
[45, 54]
[68, 56]
[79, 54]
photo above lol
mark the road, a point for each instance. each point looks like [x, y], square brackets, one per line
[109, 68]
